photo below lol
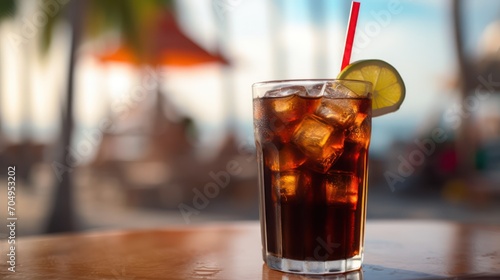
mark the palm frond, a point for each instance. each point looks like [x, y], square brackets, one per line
[7, 8]
[130, 18]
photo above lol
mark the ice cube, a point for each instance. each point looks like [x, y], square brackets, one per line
[339, 89]
[276, 117]
[341, 187]
[288, 107]
[291, 185]
[360, 118]
[270, 128]
[287, 158]
[360, 134]
[320, 142]
[286, 91]
[363, 110]
[339, 112]
[316, 90]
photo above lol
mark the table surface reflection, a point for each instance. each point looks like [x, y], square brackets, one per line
[394, 250]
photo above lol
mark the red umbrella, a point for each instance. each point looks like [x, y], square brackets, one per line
[167, 45]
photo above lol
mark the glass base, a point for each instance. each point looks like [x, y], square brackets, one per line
[314, 267]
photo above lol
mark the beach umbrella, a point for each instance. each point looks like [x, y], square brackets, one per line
[165, 45]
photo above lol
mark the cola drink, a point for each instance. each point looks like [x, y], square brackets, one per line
[312, 150]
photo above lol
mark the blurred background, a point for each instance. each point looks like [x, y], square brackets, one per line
[129, 114]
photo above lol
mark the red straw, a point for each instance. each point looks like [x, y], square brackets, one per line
[351, 30]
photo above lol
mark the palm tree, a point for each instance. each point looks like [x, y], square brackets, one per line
[61, 218]
[7, 8]
[88, 18]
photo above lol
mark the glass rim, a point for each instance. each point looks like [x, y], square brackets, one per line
[297, 81]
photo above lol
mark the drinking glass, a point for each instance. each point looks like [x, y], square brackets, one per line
[312, 139]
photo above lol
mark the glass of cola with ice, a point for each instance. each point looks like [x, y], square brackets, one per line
[312, 139]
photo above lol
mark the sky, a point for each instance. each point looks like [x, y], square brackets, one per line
[263, 40]
[414, 36]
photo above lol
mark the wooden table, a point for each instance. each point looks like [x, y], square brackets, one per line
[394, 250]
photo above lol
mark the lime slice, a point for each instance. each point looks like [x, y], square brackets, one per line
[388, 86]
